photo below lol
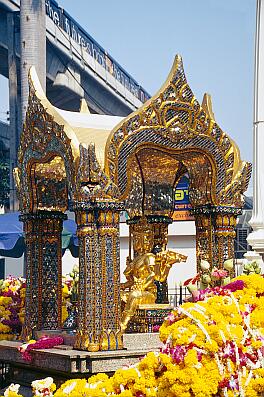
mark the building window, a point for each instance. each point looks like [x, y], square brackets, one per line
[241, 244]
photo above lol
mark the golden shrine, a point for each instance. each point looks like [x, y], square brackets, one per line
[133, 165]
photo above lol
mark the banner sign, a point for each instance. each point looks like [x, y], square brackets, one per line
[182, 204]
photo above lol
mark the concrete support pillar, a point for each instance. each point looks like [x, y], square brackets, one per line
[33, 45]
[256, 238]
[14, 107]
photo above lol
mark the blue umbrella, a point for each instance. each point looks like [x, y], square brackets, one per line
[12, 242]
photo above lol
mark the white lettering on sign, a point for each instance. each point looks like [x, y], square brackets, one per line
[74, 32]
[52, 13]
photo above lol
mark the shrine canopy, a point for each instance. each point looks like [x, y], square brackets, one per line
[99, 165]
[66, 158]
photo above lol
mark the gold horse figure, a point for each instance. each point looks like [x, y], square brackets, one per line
[164, 261]
[141, 274]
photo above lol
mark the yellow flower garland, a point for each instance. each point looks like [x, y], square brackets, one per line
[214, 347]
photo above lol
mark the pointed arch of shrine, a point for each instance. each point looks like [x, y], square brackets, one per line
[173, 133]
[47, 153]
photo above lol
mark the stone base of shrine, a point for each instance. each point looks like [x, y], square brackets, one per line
[62, 362]
[131, 341]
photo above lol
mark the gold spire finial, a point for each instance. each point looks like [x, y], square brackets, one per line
[207, 106]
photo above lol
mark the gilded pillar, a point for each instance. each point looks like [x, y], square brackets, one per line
[215, 233]
[109, 259]
[43, 270]
[99, 306]
[204, 234]
[224, 234]
[88, 282]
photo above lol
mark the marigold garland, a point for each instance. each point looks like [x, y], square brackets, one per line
[12, 299]
[219, 338]
[212, 347]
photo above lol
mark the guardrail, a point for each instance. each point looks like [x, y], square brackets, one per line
[75, 32]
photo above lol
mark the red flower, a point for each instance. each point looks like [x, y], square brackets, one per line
[43, 343]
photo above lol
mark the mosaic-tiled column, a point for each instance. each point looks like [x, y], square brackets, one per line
[43, 270]
[99, 306]
[204, 234]
[109, 260]
[224, 223]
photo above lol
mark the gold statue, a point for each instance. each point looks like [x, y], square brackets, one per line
[141, 274]
[163, 263]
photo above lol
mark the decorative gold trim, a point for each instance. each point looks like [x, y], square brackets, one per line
[51, 110]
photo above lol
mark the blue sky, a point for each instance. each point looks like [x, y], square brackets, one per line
[214, 37]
